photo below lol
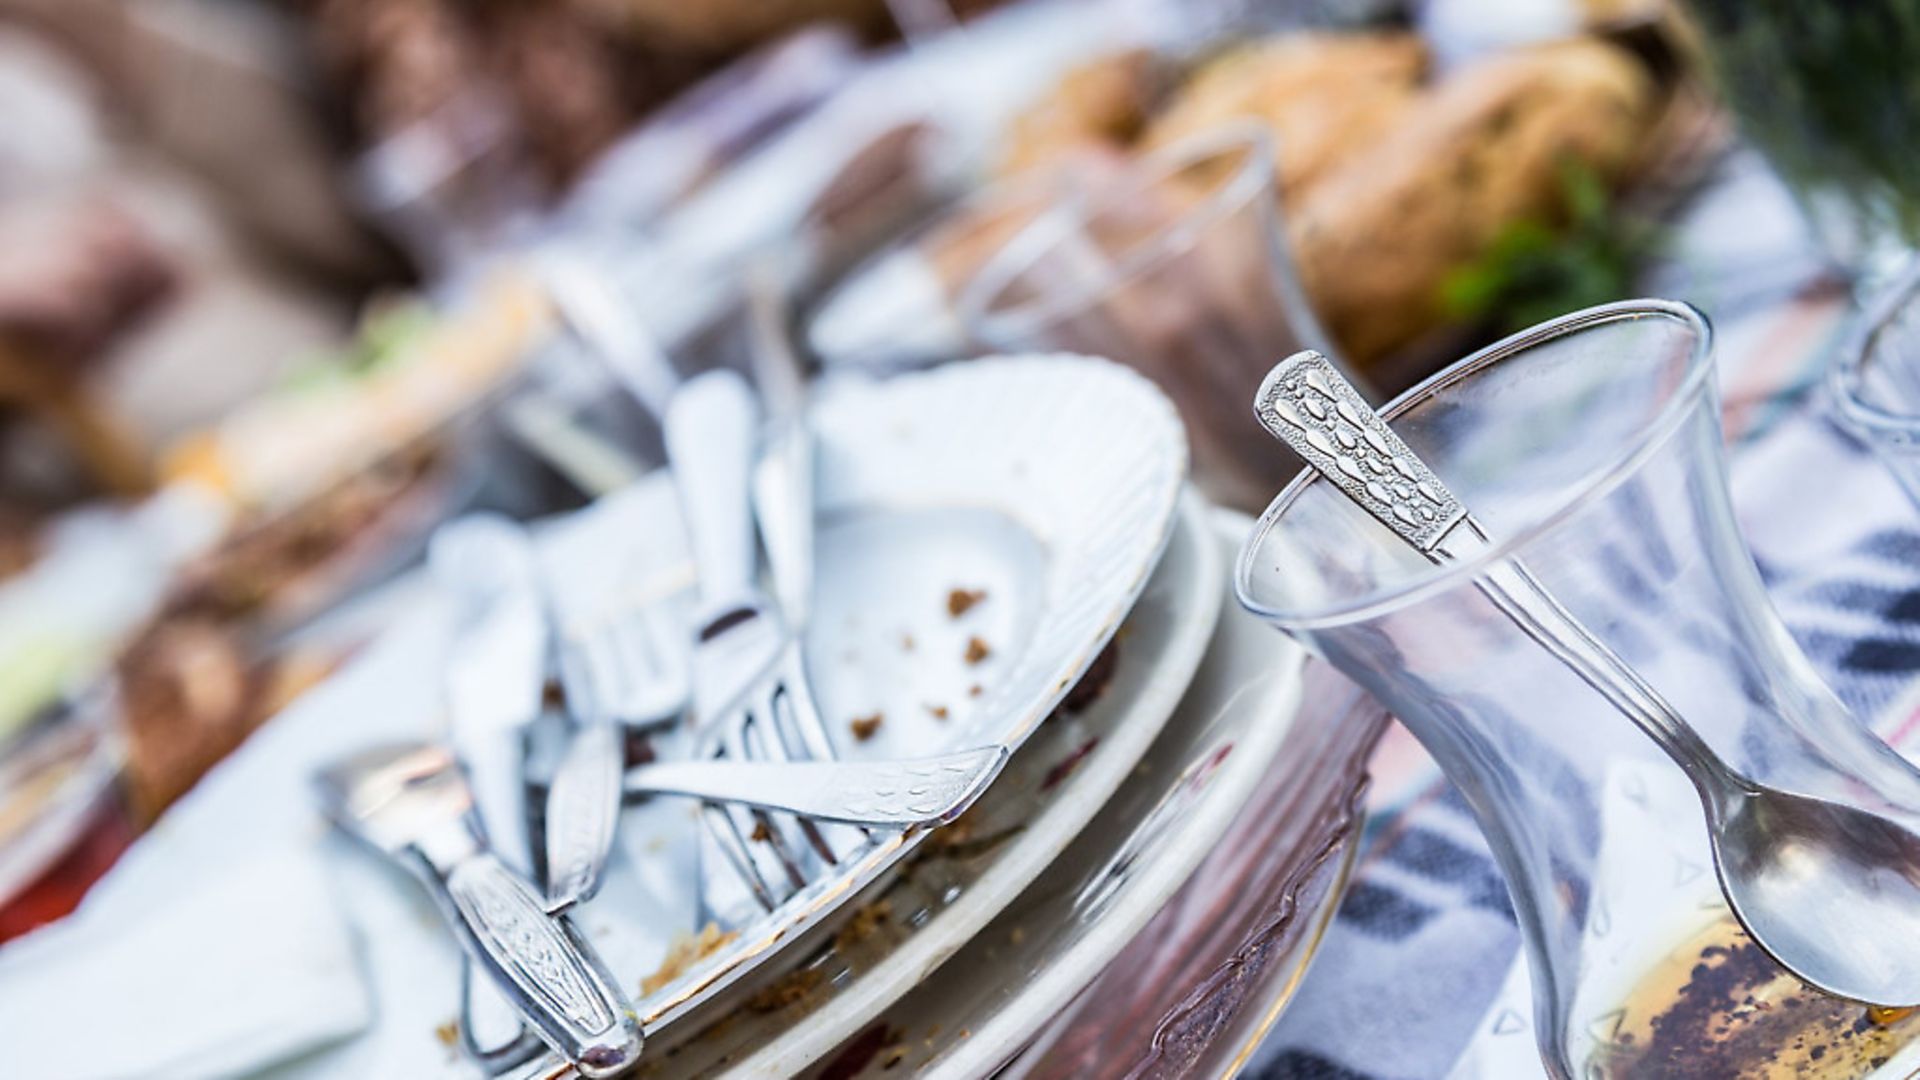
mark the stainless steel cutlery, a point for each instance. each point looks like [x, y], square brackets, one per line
[412, 801]
[496, 672]
[881, 794]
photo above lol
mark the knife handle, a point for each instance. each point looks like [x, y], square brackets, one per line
[541, 964]
[710, 435]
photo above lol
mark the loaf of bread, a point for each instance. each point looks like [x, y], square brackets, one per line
[1323, 96]
[1375, 237]
[1097, 108]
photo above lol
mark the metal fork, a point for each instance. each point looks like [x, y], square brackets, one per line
[623, 669]
[751, 696]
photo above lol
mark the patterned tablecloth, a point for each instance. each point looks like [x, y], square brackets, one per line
[1412, 972]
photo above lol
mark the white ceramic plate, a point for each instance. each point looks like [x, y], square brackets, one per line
[1049, 484]
[1051, 788]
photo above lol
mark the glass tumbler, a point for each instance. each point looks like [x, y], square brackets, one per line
[1875, 379]
[1590, 449]
[1178, 267]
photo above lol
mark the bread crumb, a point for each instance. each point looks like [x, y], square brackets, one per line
[894, 1057]
[1017, 935]
[906, 643]
[448, 1033]
[961, 601]
[863, 925]
[761, 833]
[976, 690]
[938, 712]
[790, 989]
[865, 727]
[977, 650]
[686, 951]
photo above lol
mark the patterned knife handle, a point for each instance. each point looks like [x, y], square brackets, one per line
[541, 964]
[1306, 403]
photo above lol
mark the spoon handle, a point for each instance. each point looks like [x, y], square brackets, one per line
[1306, 403]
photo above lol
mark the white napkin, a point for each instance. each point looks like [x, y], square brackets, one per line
[253, 967]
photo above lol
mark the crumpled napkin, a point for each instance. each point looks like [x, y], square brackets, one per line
[253, 967]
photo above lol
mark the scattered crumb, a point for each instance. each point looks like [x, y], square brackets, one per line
[552, 696]
[865, 727]
[761, 833]
[938, 712]
[894, 1057]
[863, 924]
[906, 643]
[448, 1033]
[790, 989]
[977, 650]
[686, 951]
[1017, 935]
[961, 601]
[976, 690]
[966, 1033]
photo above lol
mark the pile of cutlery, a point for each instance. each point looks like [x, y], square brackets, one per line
[780, 809]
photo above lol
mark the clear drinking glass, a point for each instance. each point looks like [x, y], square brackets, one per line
[1178, 267]
[1875, 380]
[1590, 448]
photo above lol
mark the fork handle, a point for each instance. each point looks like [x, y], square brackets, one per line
[538, 961]
[583, 810]
[710, 435]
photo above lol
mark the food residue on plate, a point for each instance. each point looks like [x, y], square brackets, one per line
[789, 989]
[961, 601]
[686, 951]
[864, 924]
[858, 1053]
[938, 712]
[448, 1033]
[977, 650]
[865, 727]
[976, 690]
[906, 643]
[761, 833]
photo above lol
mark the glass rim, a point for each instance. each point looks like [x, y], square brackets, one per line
[975, 304]
[1633, 453]
[1847, 376]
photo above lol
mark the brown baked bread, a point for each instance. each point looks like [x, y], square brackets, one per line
[1097, 108]
[1375, 237]
[1324, 96]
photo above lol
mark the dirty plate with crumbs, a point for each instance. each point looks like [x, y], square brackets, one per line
[1001, 479]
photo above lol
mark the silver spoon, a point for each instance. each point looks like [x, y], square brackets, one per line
[1831, 892]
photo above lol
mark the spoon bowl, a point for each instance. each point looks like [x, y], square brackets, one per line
[1832, 891]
